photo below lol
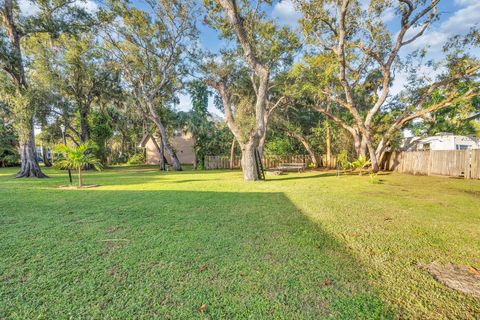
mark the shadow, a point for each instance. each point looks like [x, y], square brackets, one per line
[188, 180]
[151, 254]
[300, 177]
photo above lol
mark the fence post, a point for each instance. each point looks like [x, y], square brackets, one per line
[468, 164]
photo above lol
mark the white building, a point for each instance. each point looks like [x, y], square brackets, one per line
[442, 141]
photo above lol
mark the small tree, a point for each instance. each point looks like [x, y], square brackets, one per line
[76, 158]
[361, 163]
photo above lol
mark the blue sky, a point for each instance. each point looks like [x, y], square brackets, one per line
[456, 17]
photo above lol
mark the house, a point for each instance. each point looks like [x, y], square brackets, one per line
[181, 142]
[442, 141]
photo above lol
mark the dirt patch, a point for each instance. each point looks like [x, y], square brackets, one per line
[460, 278]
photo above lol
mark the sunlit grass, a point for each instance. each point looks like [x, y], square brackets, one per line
[146, 244]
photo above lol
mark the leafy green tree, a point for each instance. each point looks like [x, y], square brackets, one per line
[53, 18]
[362, 53]
[8, 141]
[77, 158]
[244, 87]
[197, 121]
[101, 132]
[151, 49]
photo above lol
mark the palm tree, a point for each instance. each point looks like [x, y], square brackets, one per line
[361, 163]
[76, 158]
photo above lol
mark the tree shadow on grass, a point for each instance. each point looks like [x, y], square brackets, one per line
[301, 176]
[150, 254]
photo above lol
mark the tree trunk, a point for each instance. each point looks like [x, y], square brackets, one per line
[162, 157]
[84, 126]
[307, 146]
[249, 163]
[357, 143]
[363, 147]
[80, 179]
[46, 161]
[23, 113]
[373, 157]
[29, 164]
[161, 153]
[164, 136]
[261, 143]
[232, 153]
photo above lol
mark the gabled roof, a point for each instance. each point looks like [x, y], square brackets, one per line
[144, 141]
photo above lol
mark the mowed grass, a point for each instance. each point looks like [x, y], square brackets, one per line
[147, 244]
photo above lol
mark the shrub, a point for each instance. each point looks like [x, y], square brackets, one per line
[361, 163]
[137, 158]
[342, 159]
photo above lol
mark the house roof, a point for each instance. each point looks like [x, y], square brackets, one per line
[144, 141]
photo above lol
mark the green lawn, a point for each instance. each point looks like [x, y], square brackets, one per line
[149, 245]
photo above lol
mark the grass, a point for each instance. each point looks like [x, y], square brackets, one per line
[148, 245]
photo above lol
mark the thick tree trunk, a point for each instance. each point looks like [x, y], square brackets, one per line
[29, 164]
[249, 163]
[373, 157]
[261, 143]
[357, 143]
[84, 126]
[232, 153]
[363, 147]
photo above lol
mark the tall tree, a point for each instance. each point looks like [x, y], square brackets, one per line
[152, 51]
[53, 17]
[363, 47]
[263, 47]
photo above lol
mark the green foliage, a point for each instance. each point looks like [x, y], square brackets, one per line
[138, 158]
[361, 163]
[8, 145]
[101, 131]
[279, 147]
[77, 158]
[342, 160]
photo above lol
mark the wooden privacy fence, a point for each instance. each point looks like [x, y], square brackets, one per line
[453, 163]
[223, 162]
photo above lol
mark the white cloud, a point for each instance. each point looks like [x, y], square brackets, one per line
[29, 8]
[286, 12]
[388, 15]
[90, 6]
[458, 23]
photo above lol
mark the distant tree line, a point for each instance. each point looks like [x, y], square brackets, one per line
[115, 75]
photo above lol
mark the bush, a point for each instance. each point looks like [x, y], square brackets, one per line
[137, 158]
[361, 163]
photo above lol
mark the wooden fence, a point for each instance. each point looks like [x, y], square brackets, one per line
[223, 162]
[453, 163]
